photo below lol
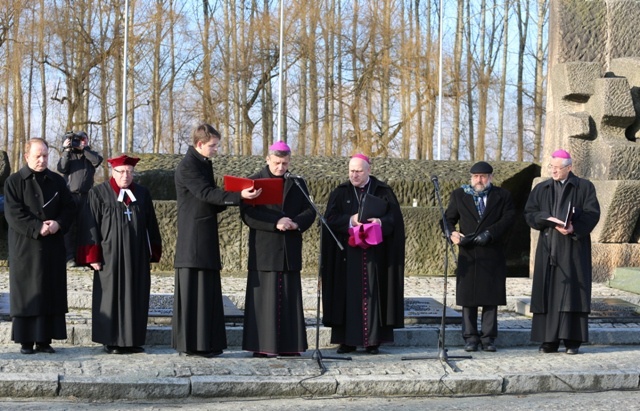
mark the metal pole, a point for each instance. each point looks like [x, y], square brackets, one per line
[124, 76]
[280, 68]
[440, 33]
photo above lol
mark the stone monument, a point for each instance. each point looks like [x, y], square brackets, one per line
[593, 111]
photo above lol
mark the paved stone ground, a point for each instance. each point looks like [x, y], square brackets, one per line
[82, 370]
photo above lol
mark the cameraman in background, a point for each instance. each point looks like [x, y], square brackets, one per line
[78, 166]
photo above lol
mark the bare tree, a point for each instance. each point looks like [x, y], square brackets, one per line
[523, 30]
[538, 97]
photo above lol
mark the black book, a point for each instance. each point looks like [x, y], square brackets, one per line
[371, 207]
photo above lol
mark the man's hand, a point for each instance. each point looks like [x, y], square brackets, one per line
[482, 239]
[285, 224]
[568, 230]
[250, 193]
[354, 220]
[456, 237]
[96, 266]
[49, 227]
[375, 221]
[67, 143]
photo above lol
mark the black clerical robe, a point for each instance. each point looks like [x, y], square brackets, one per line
[274, 317]
[562, 275]
[123, 236]
[362, 289]
[198, 311]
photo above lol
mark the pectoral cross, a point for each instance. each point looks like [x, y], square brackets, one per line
[128, 214]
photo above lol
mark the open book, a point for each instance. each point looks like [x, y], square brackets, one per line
[272, 188]
[567, 220]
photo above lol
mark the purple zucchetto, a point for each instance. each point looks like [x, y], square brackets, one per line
[560, 154]
[279, 146]
[361, 157]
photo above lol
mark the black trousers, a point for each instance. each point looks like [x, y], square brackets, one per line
[489, 327]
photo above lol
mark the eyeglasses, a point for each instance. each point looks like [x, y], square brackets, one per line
[556, 168]
[121, 172]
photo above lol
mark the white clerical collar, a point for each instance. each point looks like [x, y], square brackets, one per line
[124, 191]
[365, 184]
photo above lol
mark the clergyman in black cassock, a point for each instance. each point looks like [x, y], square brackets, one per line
[38, 208]
[362, 288]
[273, 315]
[119, 237]
[562, 274]
[198, 326]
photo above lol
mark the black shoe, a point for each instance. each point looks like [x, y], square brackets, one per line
[289, 354]
[373, 350]
[548, 348]
[263, 355]
[134, 350]
[345, 349]
[114, 349]
[46, 348]
[471, 347]
[204, 354]
[572, 351]
[26, 348]
[489, 347]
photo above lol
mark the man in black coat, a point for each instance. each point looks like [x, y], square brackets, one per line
[38, 208]
[273, 315]
[565, 210]
[483, 213]
[77, 164]
[198, 316]
[362, 286]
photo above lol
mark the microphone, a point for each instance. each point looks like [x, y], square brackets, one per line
[288, 176]
[434, 178]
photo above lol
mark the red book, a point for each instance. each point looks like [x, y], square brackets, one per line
[272, 188]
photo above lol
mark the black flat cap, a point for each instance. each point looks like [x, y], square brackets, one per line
[481, 167]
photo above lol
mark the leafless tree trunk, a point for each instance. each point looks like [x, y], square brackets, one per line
[503, 78]
[313, 17]
[456, 82]
[470, 99]
[523, 30]
[538, 99]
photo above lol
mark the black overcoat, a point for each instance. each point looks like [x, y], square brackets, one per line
[388, 265]
[37, 265]
[481, 272]
[199, 202]
[572, 252]
[269, 248]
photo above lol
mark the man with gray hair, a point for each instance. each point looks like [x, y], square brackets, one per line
[484, 213]
[565, 210]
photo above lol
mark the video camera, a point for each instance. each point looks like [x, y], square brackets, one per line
[75, 138]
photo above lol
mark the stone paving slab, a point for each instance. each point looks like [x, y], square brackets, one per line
[88, 372]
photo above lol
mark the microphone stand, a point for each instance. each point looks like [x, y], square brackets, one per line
[443, 356]
[317, 354]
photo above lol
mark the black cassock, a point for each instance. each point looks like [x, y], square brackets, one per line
[125, 238]
[274, 317]
[362, 290]
[562, 275]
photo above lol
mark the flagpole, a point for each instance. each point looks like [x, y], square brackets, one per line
[124, 75]
[280, 72]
